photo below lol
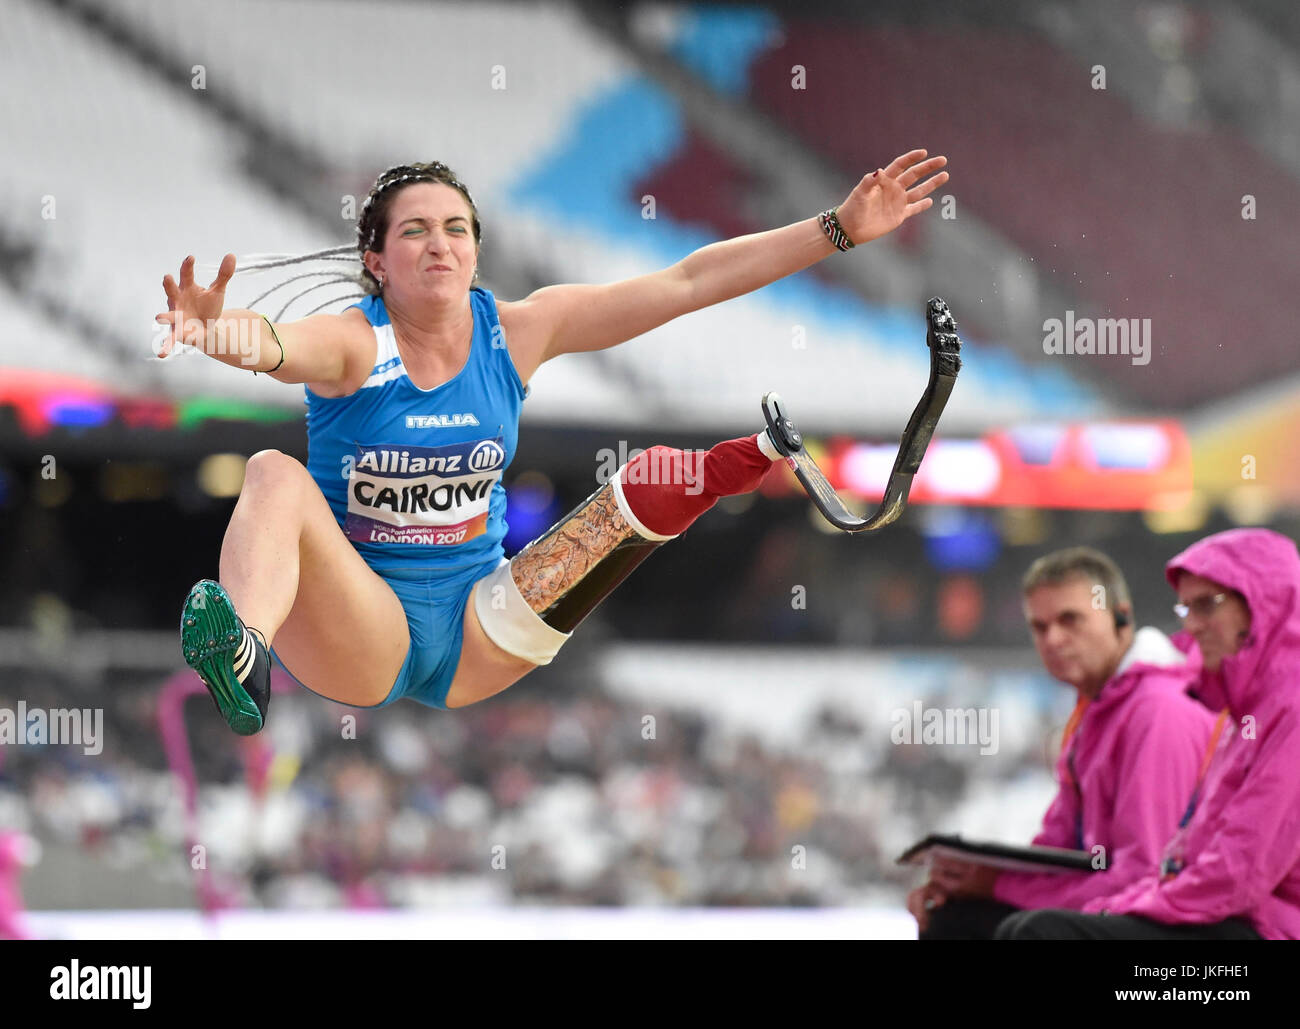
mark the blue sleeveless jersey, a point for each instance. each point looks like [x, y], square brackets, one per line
[413, 476]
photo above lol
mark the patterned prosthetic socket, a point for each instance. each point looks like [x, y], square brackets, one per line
[530, 605]
[578, 562]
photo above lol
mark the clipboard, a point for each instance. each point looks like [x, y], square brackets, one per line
[998, 855]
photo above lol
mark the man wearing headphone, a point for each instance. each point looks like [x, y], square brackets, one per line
[1230, 869]
[1129, 757]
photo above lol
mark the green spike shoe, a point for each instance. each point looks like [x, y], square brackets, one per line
[212, 638]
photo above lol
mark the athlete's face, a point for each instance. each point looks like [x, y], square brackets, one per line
[1216, 615]
[1076, 639]
[429, 250]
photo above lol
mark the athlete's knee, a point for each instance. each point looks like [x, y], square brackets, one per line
[273, 469]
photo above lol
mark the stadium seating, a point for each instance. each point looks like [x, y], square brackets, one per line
[553, 177]
[1088, 217]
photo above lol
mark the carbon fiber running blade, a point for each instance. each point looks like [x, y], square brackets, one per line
[945, 363]
[781, 429]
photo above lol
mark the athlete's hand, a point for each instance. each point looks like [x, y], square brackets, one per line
[191, 306]
[887, 197]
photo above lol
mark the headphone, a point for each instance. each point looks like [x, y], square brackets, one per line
[1121, 619]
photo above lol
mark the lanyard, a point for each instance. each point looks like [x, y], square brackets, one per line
[1172, 863]
[1205, 766]
[1068, 740]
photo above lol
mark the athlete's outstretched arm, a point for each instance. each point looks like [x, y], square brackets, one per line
[320, 348]
[571, 318]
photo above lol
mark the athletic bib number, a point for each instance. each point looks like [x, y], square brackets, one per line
[434, 495]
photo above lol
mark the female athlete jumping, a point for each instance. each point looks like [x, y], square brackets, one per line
[378, 568]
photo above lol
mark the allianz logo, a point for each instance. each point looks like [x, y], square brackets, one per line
[439, 421]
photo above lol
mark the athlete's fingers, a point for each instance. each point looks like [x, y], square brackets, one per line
[177, 322]
[927, 187]
[167, 340]
[224, 273]
[175, 319]
[918, 207]
[187, 272]
[169, 287]
[917, 172]
[904, 161]
[867, 180]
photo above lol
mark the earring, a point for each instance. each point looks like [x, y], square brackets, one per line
[381, 284]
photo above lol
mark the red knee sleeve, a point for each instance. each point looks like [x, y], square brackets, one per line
[667, 489]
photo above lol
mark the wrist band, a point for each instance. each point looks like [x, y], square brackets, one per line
[275, 337]
[830, 224]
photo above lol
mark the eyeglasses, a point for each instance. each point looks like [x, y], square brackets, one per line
[1202, 607]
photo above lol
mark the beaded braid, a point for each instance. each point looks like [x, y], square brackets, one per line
[373, 223]
[261, 262]
[339, 257]
[374, 212]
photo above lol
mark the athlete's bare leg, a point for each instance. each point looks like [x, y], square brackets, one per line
[293, 575]
[484, 669]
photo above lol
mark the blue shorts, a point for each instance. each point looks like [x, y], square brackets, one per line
[434, 603]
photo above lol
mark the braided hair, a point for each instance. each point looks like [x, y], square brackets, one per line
[372, 226]
[335, 264]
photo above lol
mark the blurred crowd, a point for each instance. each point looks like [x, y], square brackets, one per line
[565, 796]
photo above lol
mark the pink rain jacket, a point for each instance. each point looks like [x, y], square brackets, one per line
[11, 901]
[1241, 850]
[1139, 747]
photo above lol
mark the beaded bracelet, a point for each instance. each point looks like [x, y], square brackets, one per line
[275, 337]
[830, 223]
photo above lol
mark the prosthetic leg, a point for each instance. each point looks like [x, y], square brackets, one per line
[530, 605]
[945, 363]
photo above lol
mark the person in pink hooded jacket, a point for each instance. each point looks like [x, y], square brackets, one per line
[1128, 763]
[16, 850]
[1231, 870]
